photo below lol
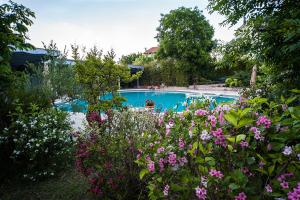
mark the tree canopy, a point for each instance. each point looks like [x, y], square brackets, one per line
[186, 36]
[15, 19]
[271, 28]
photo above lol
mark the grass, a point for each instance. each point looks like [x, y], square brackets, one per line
[70, 185]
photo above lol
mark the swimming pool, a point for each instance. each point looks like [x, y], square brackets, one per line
[164, 100]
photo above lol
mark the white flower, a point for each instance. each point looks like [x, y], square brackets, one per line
[205, 135]
[287, 150]
[298, 155]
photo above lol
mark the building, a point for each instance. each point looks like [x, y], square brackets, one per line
[20, 58]
[151, 51]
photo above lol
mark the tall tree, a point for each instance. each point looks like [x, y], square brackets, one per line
[186, 36]
[273, 27]
[99, 74]
[14, 22]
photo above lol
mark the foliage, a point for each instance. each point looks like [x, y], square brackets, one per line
[15, 20]
[186, 36]
[271, 31]
[37, 144]
[129, 59]
[232, 82]
[245, 150]
[99, 74]
[106, 152]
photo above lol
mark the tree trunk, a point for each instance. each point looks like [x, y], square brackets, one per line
[253, 76]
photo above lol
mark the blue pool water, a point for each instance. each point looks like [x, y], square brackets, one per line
[163, 100]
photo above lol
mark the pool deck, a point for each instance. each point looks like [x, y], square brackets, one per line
[215, 89]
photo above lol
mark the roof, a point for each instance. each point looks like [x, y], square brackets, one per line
[136, 67]
[152, 50]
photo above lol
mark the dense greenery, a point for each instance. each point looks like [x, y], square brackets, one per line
[37, 144]
[186, 36]
[106, 153]
[99, 74]
[271, 36]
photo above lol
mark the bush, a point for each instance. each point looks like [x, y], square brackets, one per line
[232, 82]
[247, 150]
[106, 152]
[37, 144]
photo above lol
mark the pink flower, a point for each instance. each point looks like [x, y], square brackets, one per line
[257, 134]
[219, 137]
[264, 121]
[160, 121]
[241, 196]
[221, 119]
[284, 185]
[269, 188]
[201, 112]
[216, 173]
[160, 149]
[244, 144]
[168, 130]
[161, 164]
[182, 161]
[201, 193]
[181, 143]
[171, 123]
[151, 166]
[295, 193]
[166, 190]
[172, 158]
[213, 120]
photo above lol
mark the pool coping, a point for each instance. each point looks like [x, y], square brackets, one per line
[233, 94]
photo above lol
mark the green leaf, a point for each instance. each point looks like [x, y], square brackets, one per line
[231, 118]
[271, 169]
[240, 137]
[233, 186]
[245, 121]
[143, 172]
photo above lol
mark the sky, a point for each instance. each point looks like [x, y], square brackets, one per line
[127, 26]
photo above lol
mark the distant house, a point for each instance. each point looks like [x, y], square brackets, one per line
[151, 51]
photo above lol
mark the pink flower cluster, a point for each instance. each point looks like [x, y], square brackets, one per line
[241, 196]
[151, 166]
[264, 121]
[201, 193]
[282, 179]
[172, 158]
[168, 130]
[166, 190]
[161, 164]
[269, 188]
[213, 120]
[181, 143]
[182, 161]
[221, 118]
[201, 112]
[160, 149]
[219, 137]
[216, 173]
[257, 134]
[295, 194]
[244, 144]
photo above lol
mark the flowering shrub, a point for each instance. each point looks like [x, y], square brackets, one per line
[247, 150]
[106, 152]
[38, 143]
